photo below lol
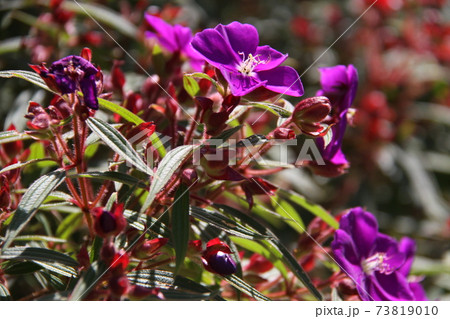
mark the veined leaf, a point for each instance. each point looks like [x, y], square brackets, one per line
[20, 165]
[12, 136]
[314, 209]
[26, 75]
[169, 164]
[180, 224]
[143, 222]
[63, 270]
[288, 259]
[69, 225]
[286, 210]
[118, 143]
[223, 137]
[4, 293]
[224, 223]
[117, 109]
[190, 85]
[38, 254]
[112, 176]
[87, 281]
[272, 108]
[207, 77]
[31, 201]
[241, 285]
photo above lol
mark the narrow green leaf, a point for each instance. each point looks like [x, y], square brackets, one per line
[180, 224]
[314, 209]
[38, 254]
[288, 259]
[39, 238]
[69, 225]
[118, 143]
[88, 281]
[190, 85]
[63, 270]
[26, 75]
[207, 77]
[117, 109]
[241, 285]
[31, 201]
[224, 223]
[223, 137]
[292, 218]
[143, 222]
[272, 108]
[20, 165]
[112, 176]
[103, 15]
[169, 164]
[16, 267]
[12, 136]
[95, 249]
[4, 293]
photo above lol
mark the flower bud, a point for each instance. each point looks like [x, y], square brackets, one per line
[147, 249]
[217, 258]
[119, 285]
[13, 148]
[189, 176]
[309, 113]
[283, 133]
[109, 223]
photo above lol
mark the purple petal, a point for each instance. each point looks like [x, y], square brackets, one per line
[418, 291]
[362, 227]
[215, 49]
[271, 58]
[183, 36]
[392, 287]
[408, 247]
[240, 84]
[346, 254]
[282, 79]
[164, 32]
[89, 89]
[242, 37]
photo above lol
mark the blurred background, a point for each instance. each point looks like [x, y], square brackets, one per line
[399, 143]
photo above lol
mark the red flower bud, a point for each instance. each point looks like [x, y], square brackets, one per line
[189, 176]
[109, 223]
[139, 133]
[283, 133]
[117, 76]
[119, 285]
[148, 248]
[13, 148]
[309, 113]
[5, 199]
[217, 258]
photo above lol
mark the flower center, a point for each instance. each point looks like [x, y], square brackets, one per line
[247, 66]
[377, 262]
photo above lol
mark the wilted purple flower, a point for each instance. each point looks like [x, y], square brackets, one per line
[234, 50]
[376, 262]
[174, 38]
[217, 258]
[70, 74]
[339, 85]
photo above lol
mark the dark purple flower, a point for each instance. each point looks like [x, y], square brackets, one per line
[234, 50]
[175, 39]
[339, 85]
[70, 74]
[217, 258]
[109, 223]
[377, 263]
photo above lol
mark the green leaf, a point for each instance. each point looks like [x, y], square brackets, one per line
[63, 270]
[288, 259]
[112, 176]
[88, 281]
[180, 224]
[39, 238]
[4, 293]
[207, 77]
[241, 285]
[118, 143]
[103, 15]
[224, 223]
[223, 137]
[31, 201]
[314, 209]
[259, 248]
[167, 280]
[292, 218]
[69, 225]
[26, 75]
[117, 109]
[96, 249]
[272, 108]
[38, 254]
[169, 164]
[20, 165]
[190, 85]
[12, 136]
[143, 222]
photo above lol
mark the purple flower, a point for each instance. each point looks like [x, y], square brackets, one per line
[339, 85]
[70, 74]
[234, 50]
[377, 263]
[175, 39]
